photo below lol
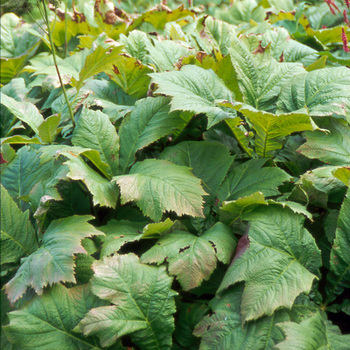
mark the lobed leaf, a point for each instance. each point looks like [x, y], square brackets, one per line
[167, 186]
[53, 262]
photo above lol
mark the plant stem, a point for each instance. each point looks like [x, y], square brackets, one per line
[46, 19]
[65, 30]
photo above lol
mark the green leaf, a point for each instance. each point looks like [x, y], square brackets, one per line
[190, 258]
[224, 330]
[94, 130]
[250, 177]
[259, 75]
[98, 61]
[142, 303]
[136, 44]
[343, 174]
[53, 262]
[47, 130]
[280, 262]
[323, 92]
[339, 274]
[165, 54]
[189, 316]
[312, 334]
[195, 89]
[271, 129]
[233, 210]
[24, 111]
[47, 321]
[167, 186]
[23, 172]
[20, 140]
[157, 229]
[209, 161]
[132, 76]
[104, 193]
[118, 233]
[17, 234]
[17, 46]
[149, 121]
[331, 148]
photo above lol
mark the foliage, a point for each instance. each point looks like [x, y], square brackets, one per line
[175, 175]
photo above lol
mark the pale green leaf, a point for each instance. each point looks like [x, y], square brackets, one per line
[157, 229]
[136, 44]
[209, 161]
[259, 75]
[47, 321]
[18, 237]
[24, 111]
[99, 60]
[190, 258]
[250, 177]
[94, 131]
[271, 129]
[331, 148]
[195, 89]
[233, 210]
[280, 262]
[165, 54]
[104, 193]
[315, 333]
[323, 92]
[47, 130]
[343, 174]
[143, 303]
[158, 186]
[149, 121]
[21, 140]
[131, 75]
[53, 262]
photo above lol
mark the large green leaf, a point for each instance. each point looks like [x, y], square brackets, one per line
[224, 330]
[209, 161]
[132, 76]
[149, 121]
[280, 262]
[259, 75]
[94, 130]
[118, 233]
[158, 186]
[53, 262]
[271, 129]
[323, 92]
[195, 89]
[339, 274]
[142, 301]
[17, 46]
[250, 177]
[312, 334]
[331, 148]
[17, 234]
[23, 172]
[193, 258]
[104, 193]
[165, 54]
[98, 61]
[47, 321]
[24, 111]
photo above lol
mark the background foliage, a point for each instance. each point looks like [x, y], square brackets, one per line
[183, 182]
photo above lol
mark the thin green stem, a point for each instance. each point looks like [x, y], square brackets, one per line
[66, 30]
[46, 19]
